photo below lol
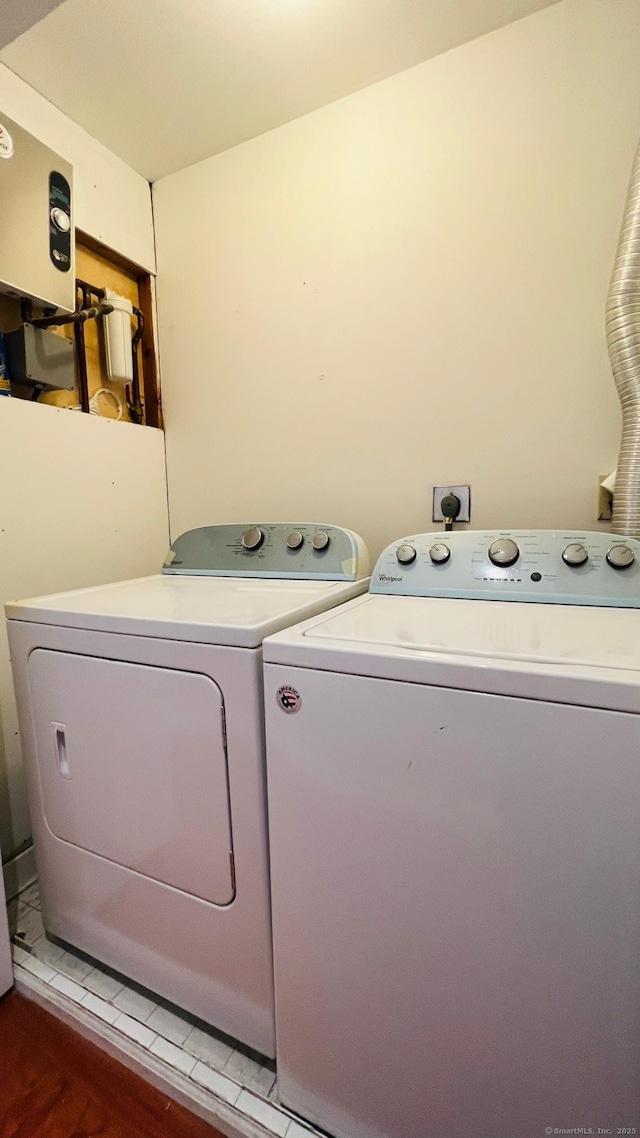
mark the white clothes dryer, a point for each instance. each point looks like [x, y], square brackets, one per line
[454, 814]
[141, 717]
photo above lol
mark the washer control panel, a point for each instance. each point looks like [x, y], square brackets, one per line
[553, 566]
[307, 551]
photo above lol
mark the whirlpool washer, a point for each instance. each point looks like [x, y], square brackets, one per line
[140, 707]
[454, 816]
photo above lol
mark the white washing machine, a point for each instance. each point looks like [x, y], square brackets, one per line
[454, 813]
[141, 717]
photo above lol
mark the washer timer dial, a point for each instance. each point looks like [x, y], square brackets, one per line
[320, 541]
[504, 552]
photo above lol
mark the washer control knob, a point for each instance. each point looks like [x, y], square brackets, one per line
[320, 541]
[575, 554]
[439, 553]
[295, 540]
[252, 538]
[61, 219]
[620, 557]
[406, 554]
[504, 551]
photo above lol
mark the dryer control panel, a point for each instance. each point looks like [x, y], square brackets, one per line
[289, 550]
[563, 567]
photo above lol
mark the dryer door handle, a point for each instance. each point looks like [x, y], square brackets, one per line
[62, 755]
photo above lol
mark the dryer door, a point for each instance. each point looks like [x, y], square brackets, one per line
[133, 767]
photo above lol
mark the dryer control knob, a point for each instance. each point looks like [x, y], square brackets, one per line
[61, 219]
[620, 557]
[575, 554]
[295, 540]
[504, 551]
[320, 541]
[406, 554]
[252, 538]
[439, 553]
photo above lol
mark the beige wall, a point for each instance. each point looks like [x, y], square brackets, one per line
[407, 288]
[82, 499]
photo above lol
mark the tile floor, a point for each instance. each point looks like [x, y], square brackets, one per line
[244, 1080]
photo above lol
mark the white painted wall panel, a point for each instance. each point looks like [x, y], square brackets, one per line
[407, 288]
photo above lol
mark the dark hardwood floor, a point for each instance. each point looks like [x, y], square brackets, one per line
[54, 1084]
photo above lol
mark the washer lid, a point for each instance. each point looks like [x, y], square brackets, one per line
[471, 644]
[525, 632]
[209, 610]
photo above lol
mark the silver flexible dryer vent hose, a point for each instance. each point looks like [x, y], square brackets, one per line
[623, 342]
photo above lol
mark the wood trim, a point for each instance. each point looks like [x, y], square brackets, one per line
[95, 246]
[150, 376]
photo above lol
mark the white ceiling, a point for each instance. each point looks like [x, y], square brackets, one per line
[18, 15]
[165, 83]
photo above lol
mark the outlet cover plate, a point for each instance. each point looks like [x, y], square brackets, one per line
[461, 492]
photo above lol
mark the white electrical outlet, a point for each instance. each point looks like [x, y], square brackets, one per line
[461, 492]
